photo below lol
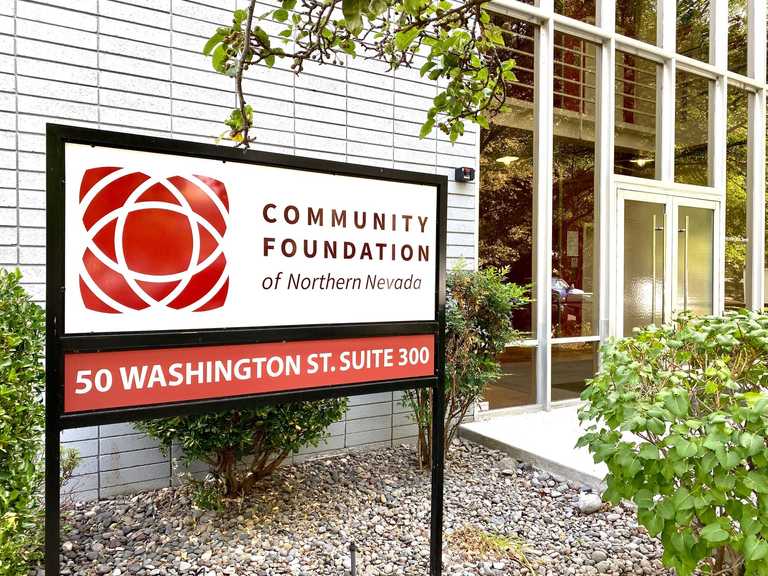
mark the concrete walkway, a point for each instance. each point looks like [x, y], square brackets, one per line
[544, 439]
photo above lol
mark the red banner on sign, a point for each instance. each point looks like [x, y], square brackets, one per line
[104, 380]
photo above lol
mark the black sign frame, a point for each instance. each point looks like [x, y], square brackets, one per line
[58, 344]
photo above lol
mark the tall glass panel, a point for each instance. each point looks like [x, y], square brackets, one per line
[738, 35]
[644, 268]
[692, 121]
[695, 259]
[506, 206]
[693, 28]
[572, 365]
[636, 109]
[583, 10]
[637, 19]
[574, 282]
[736, 199]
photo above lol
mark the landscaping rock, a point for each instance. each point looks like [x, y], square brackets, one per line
[589, 503]
[302, 521]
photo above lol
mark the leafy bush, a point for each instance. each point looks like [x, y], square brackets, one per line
[22, 421]
[679, 414]
[478, 313]
[243, 446]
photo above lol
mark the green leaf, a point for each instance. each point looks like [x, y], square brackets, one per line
[219, 58]
[403, 39]
[353, 15]
[426, 128]
[714, 533]
[239, 17]
[755, 548]
[212, 42]
[649, 452]
[289, 4]
[280, 15]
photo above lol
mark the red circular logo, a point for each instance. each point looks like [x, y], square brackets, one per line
[153, 242]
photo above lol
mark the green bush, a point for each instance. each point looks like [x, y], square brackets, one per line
[243, 446]
[22, 421]
[679, 413]
[478, 317]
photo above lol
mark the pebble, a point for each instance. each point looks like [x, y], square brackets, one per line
[589, 503]
[302, 520]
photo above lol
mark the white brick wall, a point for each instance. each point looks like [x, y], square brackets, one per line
[136, 66]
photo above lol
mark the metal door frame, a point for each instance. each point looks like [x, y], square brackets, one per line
[672, 198]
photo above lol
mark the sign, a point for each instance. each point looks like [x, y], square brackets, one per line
[171, 242]
[185, 277]
[102, 380]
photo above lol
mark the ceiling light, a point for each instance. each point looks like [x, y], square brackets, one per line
[507, 160]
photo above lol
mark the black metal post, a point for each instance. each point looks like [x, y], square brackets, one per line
[438, 459]
[52, 488]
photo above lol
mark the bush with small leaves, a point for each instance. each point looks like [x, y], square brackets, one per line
[22, 421]
[679, 414]
[244, 446]
[478, 319]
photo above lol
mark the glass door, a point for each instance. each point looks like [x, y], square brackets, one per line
[645, 261]
[667, 260]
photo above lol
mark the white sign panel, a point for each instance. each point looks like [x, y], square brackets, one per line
[165, 242]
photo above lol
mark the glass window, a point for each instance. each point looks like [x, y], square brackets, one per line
[517, 385]
[583, 10]
[572, 365]
[506, 208]
[692, 129]
[573, 192]
[736, 199]
[693, 18]
[506, 174]
[636, 108]
[737, 36]
[637, 19]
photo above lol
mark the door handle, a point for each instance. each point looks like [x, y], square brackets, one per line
[684, 232]
[656, 228]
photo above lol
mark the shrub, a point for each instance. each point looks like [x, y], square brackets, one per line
[478, 318]
[243, 446]
[679, 413]
[22, 421]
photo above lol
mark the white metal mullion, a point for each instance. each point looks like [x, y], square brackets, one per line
[604, 159]
[665, 119]
[544, 72]
[756, 150]
[718, 130]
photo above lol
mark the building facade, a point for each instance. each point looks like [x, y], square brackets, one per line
[137, 66]
[624, 182]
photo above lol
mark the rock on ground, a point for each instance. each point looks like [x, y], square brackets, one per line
[301, 522]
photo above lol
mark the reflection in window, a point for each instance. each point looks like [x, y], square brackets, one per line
[572, 365]
[635, 134]
[693, 17]
[506, 174]
[637, 19]
[506, 207]
[692, 129]
[583, 10]
[573, 191]
[517, 385]
[737, 36]
[736, 199]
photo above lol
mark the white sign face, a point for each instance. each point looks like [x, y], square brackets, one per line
[164, 242]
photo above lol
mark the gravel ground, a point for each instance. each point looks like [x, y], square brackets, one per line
[501, 517]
